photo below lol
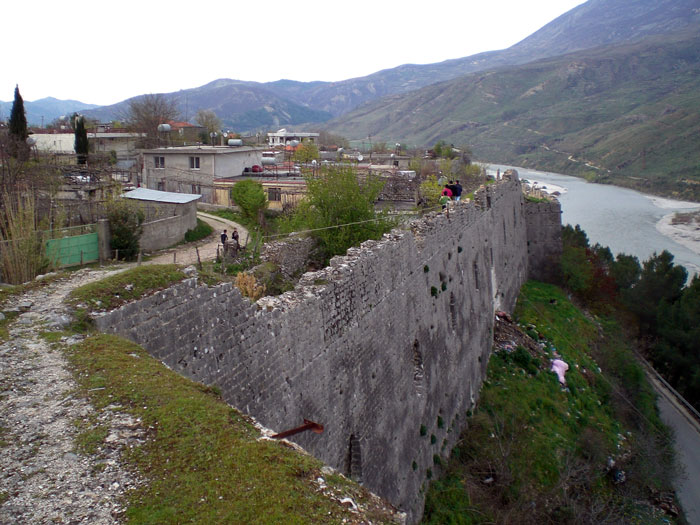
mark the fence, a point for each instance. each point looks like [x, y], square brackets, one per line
[73, 250]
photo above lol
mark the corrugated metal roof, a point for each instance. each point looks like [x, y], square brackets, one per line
[144, 194]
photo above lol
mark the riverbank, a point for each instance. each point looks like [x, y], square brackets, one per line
[681, 230]
[625, 220]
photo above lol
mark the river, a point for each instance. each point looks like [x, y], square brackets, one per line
[625, 220]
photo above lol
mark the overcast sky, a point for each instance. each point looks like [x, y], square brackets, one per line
[105, 52]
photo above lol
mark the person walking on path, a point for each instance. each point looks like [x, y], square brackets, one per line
[444, 200]
[224, 238]
[446, 191]
[457, 191]
[206, 250]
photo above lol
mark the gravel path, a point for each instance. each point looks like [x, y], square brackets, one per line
[43, 476]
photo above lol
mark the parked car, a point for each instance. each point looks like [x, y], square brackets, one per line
[257, 169]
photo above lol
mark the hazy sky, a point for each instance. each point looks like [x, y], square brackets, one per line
[104, 52]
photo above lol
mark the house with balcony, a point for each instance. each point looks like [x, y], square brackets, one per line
[282, 138]
[193, 169]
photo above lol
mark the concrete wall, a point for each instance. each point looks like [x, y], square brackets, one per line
[162, 233]
[391, 338]
[55, 142]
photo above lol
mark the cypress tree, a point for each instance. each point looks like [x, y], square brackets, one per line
[81, 140]
[18, 129]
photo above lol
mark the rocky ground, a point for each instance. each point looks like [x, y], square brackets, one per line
[44, 476]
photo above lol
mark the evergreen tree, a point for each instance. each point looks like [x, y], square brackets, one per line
[18, 132]
[677, 351]
[81, 140]
[660, 285]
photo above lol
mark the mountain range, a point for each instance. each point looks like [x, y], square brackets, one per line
[628, 114]
[607, 90]
[248, 106]
[46, 110]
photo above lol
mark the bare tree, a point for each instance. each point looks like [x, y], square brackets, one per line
[208, 120]
[148, 112]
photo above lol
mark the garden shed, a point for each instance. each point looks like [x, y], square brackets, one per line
[167, 216]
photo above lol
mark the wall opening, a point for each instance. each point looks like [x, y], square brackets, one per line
[476, 276]
[353, 460]
[453, 311]
[418, 370]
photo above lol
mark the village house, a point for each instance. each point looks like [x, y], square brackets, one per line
[281, 192]
[123, 144]
[193, 169]
[283, 138]
[168, 216]
[186, 132]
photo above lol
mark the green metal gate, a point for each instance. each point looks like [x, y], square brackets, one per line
[74, 250]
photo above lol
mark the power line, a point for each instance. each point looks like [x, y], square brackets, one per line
[290, 234]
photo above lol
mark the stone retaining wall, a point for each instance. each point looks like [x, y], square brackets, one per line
[291, 255]
[387, 347]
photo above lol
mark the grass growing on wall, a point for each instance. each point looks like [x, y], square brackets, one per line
[116, 290]
[202, 460]
[537, 453]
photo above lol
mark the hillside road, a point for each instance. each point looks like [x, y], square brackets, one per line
[687, 432]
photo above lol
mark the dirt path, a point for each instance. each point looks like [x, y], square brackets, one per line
[44, 478]
[207, 248]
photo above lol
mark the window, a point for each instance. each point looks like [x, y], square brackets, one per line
[159, 162]
[194, 163]
[196, 188]
[274, 194]
[161, 185]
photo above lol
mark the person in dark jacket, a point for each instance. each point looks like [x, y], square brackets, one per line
[457, 191]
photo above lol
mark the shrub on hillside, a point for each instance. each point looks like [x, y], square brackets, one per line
[125, 227]
[201, 231]
[338, 209]
[250, 198]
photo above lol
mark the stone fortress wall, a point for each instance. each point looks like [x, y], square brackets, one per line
[387, 347]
